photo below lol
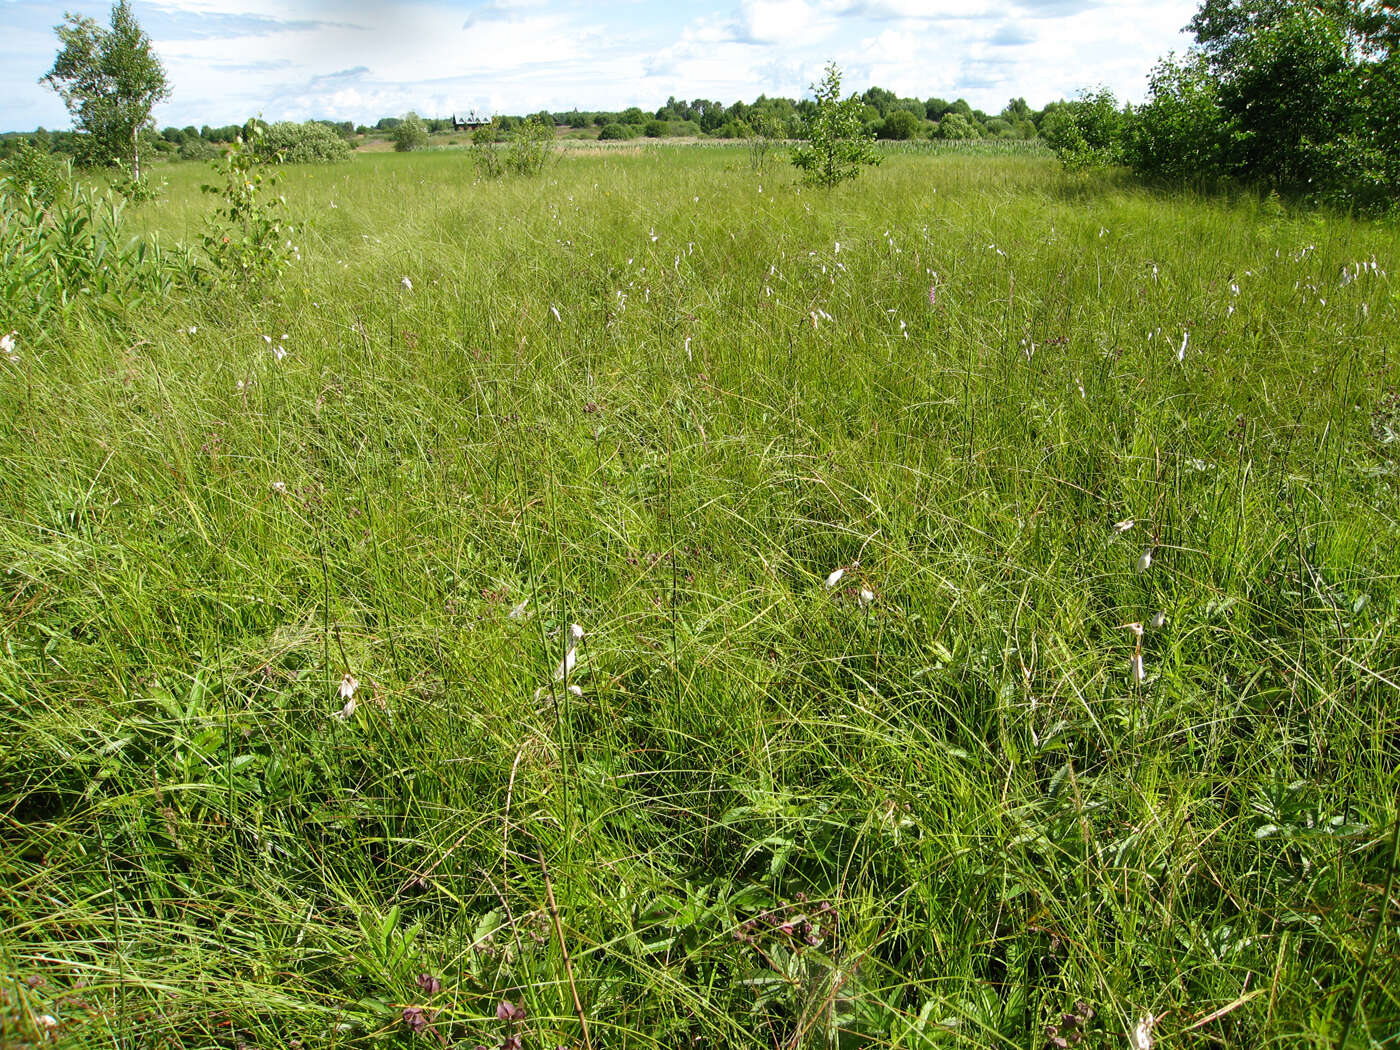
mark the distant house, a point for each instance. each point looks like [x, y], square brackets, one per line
[471, 120]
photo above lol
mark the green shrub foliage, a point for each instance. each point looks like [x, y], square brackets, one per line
[1296, 97]
[292, 143]
[409, 134]
[837, 145]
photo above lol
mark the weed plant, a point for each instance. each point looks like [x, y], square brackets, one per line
[298, 747]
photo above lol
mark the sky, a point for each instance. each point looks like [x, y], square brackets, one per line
[360, 60]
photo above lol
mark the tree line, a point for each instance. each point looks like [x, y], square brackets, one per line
[1300, 96]
[882, 115]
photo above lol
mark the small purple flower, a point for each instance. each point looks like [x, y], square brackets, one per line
[429, 983]
[508, 1011]
[416, 1018]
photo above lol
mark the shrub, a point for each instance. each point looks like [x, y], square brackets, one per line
[197, 149]
[657, 129]
[1087, 132]
[1180, 132]
[900, 125]
[72, 251]
[955, 127]
[530, 146]
[245, 239]
[614, 131]
[768, 131]
[292, 143]
[409, 134]
[837, 145]
[37, 174]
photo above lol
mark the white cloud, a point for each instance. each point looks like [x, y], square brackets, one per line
[363, 59]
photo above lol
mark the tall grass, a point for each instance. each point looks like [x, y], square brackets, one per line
[647, 394]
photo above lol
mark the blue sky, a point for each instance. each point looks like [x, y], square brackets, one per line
[360, 60]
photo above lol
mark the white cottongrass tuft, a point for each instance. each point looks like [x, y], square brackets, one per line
[867, 596]
[348, 686]
[1159, 620]
[555, 311]
[517, 612]
[406, 284]
[279, 487]
[1124, 525]
[1181, 353]
[1144, 561]
[570, 655]
[1135, 669]
[279, 351]
[838, 248]
[347, 711]
[1142, 1034]
[835, 577]
[7, 347]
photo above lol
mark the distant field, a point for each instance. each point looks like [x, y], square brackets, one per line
[987, 580]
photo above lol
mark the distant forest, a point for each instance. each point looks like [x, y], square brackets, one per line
[886, 116]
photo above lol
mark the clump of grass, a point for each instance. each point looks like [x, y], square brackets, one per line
[939, 799]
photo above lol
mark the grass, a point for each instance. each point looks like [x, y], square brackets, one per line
[648, 394]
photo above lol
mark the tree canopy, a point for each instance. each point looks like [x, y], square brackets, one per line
[109, 79]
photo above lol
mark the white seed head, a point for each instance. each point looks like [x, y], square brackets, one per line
[576, 690]
[1142, 1034]
[867, 596]
[407, 284]
[346, 711]
[555, 311]
[1159, 619]
[1144, 561]
[1124, 525]
[570, 655]
[1136, 670]
[348, 685]
[279, 487]
[835, 577]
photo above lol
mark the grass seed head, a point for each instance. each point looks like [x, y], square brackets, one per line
[1142, 1034]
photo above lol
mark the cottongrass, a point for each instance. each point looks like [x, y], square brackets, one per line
[570, 654]
[1142, 1034]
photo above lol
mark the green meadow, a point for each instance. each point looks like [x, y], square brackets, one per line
[655, 606]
